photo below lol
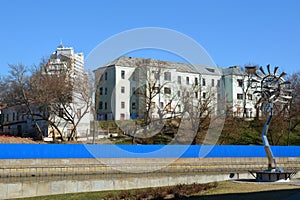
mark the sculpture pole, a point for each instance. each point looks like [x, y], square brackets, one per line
[271, 158]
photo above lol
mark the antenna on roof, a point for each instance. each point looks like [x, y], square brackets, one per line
[60, 44]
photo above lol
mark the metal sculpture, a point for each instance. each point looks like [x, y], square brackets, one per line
[272, 88]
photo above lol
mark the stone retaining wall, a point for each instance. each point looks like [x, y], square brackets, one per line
[50, 167]
[19, 188]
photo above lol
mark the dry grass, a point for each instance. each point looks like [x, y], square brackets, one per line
[250, 191]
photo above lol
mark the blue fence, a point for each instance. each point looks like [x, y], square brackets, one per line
[44, 151]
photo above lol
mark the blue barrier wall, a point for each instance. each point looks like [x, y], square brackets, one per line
[25, 151]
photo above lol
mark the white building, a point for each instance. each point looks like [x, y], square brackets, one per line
[17, 121]
[118, 82]
[237, 94]
[64, 59]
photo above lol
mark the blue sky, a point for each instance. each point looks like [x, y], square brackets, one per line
[233, 32]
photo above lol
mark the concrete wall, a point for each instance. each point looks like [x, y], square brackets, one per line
[50, 167]
[37, 177]
[40, 187]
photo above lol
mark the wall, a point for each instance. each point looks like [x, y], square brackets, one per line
[62, 185]
[25, 151]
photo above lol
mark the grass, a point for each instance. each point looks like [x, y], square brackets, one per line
[250, 191]
[225, 190]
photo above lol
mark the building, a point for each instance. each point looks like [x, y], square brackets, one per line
[16, 120]
[240, 101]
[64, 59]
[129, 88]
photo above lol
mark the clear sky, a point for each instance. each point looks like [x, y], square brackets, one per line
[234, 32]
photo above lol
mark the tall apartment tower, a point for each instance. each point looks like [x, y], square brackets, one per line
[64, 59]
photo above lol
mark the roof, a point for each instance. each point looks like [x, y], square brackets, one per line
[235, 70]
[126, 61]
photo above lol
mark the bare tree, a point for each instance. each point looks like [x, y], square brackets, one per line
[246, 85]
[294, 107]
[51, 91]
[80, 105]
[19, 81]
[58, 99]
[66, 98]
[150, 86]
[199, 107]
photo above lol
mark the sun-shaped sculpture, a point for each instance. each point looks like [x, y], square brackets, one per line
[272, 89]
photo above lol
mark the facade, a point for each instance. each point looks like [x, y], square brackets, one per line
[238, 93]
[64, 59]
[119, 84]
[15, 120]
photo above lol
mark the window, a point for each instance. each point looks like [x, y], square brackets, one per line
[105, 91]
[187, 80]
[196, 81]
[61, 112]
[156, 75]
[122, 89]
[240, 82]
[167, 76]
[105, 75]
[122, 116]
[122, 104]
[100, 105]
[179, 79]
[210, 70]
[196, 95]
[161, 104]
[178, 93]
[14, 116]
[167, 90]
[218, 83]
[212, 82]
[105, 105]
[204, 95]
[122, 74]
[249, 96]
[203, 82]
[240, 96]
[101, 91]
[133, 106]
